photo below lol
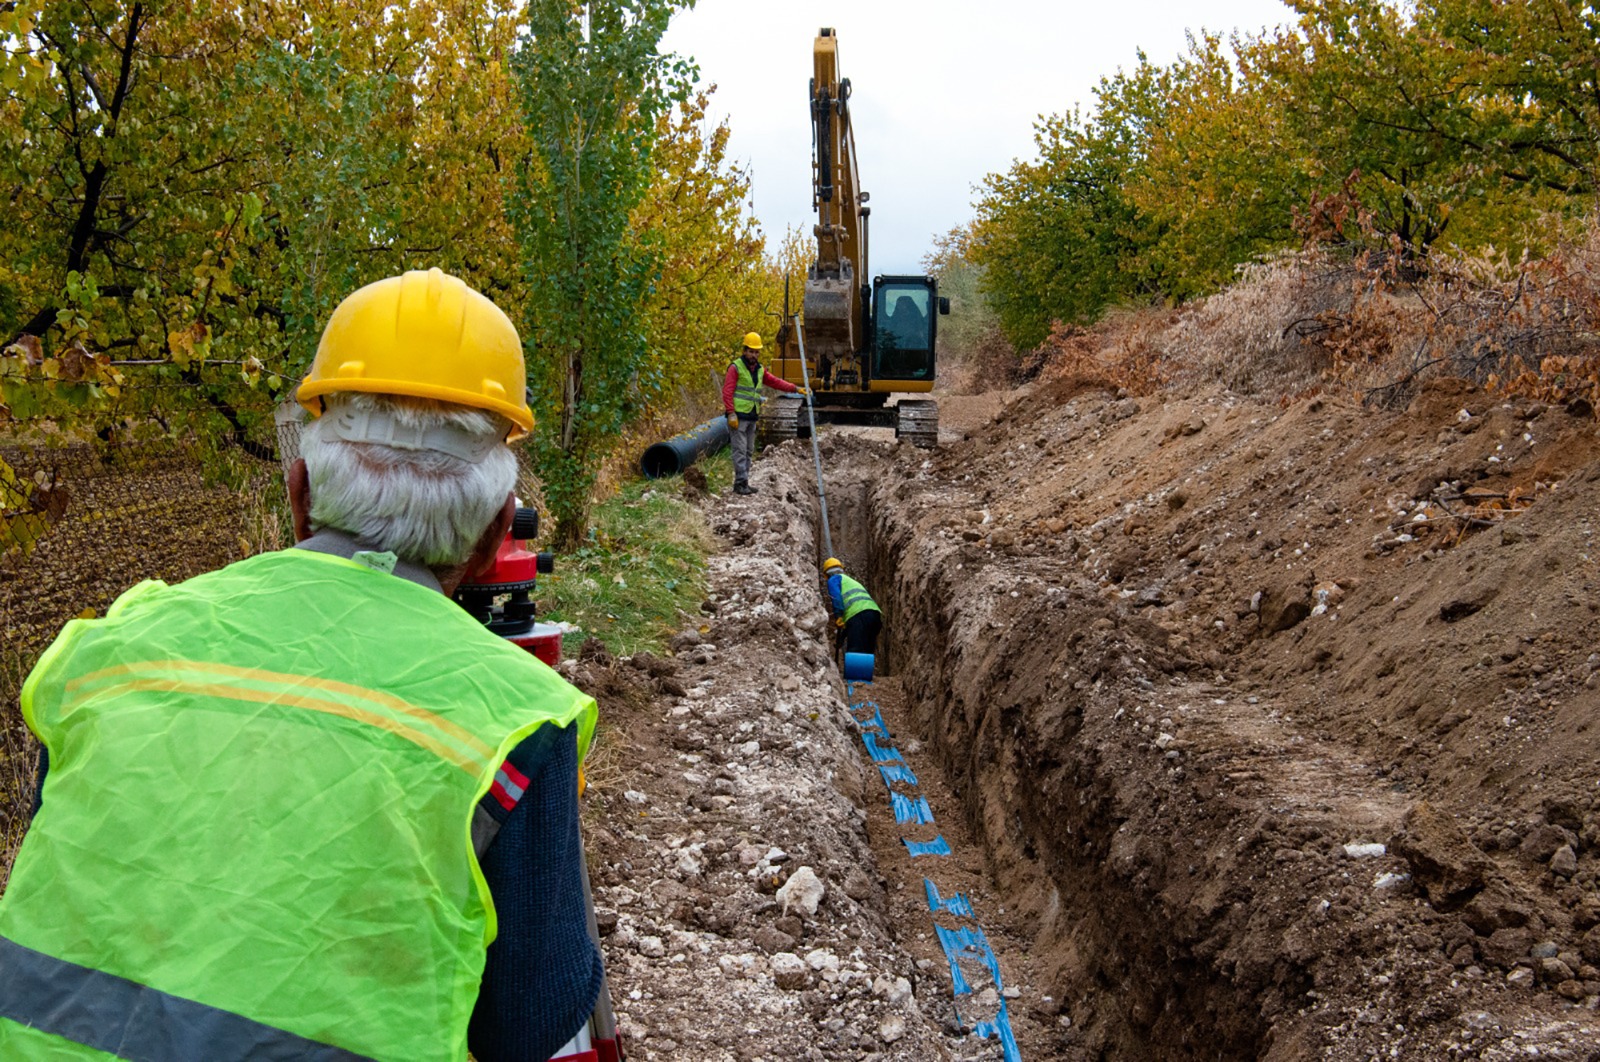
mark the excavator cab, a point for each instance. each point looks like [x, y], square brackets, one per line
[904, 327]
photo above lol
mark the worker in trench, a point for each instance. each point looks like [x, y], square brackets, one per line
[855, 615]
[305, 806]
[741, 403]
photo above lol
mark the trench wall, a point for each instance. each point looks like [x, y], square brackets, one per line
[1020, 682]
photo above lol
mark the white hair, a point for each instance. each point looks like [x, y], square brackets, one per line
[425, 506]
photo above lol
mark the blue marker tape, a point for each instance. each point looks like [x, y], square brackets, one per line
[878, 753]
[938, 846]
[908, 810]
[957, 905]
[896, 772]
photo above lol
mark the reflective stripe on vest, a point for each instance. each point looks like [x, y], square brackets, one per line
[130, 1020]
[855, 597]
[292, 851]
[747, 396]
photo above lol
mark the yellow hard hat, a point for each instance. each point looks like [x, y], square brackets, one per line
[830, 563]
[427, 335]
[752, 340]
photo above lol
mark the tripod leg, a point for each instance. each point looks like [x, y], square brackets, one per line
[604, 1020]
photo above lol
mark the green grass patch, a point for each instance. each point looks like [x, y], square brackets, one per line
[642, 569]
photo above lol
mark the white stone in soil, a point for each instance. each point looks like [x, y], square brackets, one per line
[652, 947]
[789, 970]
[822, 959]
[1365, 851]
[891, 1028]
[803, 892]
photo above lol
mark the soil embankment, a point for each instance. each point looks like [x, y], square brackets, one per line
[1188, 663]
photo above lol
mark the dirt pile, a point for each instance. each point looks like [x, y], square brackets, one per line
[1275, 720]
[742, 911]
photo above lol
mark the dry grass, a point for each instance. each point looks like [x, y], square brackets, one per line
[1300, 323]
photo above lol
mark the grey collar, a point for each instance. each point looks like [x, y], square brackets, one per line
[343, 544]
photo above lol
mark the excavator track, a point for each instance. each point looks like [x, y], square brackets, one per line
[918, 420]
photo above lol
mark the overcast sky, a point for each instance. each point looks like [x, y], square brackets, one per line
[945, 92]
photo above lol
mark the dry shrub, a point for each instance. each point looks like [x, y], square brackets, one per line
[1122, 352]
[1269, 333]
[1534, 334]
[1379, 324]
[990, 364]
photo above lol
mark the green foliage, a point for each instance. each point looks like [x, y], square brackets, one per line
[592, 87]
[713, 280]
[1472, 122]
[636, 574]
[197, 184]
[1054, 235]
[972, 322]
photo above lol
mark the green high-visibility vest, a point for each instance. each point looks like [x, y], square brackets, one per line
[747, 396]
[855, 597]
[256, 833]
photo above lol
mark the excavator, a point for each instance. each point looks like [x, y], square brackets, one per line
[863, 342]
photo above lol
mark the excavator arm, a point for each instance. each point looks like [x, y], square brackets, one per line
[866, 339]
[835, 311]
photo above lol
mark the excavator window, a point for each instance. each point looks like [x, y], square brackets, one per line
[904, 347]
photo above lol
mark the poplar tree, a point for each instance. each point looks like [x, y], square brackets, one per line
[592, 85]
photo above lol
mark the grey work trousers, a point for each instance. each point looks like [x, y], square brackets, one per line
[743, 441]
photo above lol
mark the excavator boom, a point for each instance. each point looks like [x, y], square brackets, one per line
[834, 311]
[864, 341]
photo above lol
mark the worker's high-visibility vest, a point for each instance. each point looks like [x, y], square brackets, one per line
[855, 597]
[257, 831]
[747, 396]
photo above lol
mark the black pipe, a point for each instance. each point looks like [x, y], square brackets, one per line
[672, 456]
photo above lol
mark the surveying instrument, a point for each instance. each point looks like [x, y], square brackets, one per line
[500, 598]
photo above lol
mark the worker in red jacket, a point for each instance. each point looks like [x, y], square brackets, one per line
[741, 401]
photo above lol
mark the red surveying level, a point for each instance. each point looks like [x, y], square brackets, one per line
[500, 598]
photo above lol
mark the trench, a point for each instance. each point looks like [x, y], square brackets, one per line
[1096, 861]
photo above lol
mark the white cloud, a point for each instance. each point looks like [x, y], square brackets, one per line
[946, 92]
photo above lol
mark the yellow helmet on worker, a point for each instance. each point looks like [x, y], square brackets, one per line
[831, 564]
[425, 334]
[752, 341]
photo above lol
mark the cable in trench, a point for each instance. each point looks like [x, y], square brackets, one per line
[972, 961]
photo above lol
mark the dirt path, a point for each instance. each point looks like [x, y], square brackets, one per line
[1256, 733]
[734, 777]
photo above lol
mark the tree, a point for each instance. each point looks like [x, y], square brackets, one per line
[1219, 176]
[1466, 117]
[592, 87]
[714, 283]
[1057, 237]
[196, 185]
[972, 322]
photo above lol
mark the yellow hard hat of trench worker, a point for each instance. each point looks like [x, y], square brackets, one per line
[752, 340]
[831, 563]
[425, 334]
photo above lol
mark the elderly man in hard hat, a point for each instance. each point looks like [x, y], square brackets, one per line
[741, 402]
[854, 612]
[289, 805]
